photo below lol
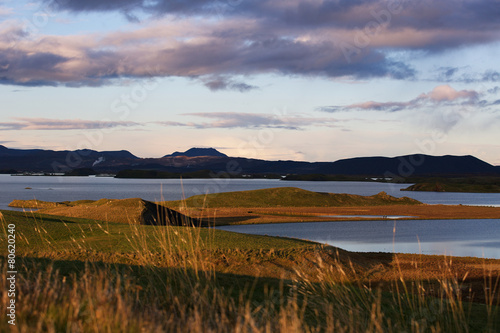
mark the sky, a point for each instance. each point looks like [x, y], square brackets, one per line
[309, 80]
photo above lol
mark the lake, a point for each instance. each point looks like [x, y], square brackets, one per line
[94, 188]
[472, 238]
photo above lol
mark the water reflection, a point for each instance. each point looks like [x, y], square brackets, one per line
[476, 238]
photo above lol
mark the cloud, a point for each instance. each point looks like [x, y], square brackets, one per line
[440, 95]
[62, 124]
[460, 74]
[441, 109]
[226, 39]
[371, 105]
[468, 15]
[494, 90]
[491, 76]
[252, 121]
[447, 93]
[222, 83]
[196, 48]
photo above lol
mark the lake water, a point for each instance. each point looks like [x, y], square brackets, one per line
[94, 188]
[473, 238]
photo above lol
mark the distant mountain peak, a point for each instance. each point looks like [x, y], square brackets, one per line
[196, 152]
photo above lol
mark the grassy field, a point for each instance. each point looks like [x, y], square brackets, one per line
[85, 275]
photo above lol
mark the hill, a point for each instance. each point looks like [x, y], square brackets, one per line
[214, 163]
[289, 197]
[62, 161]
[412, 165]
[399, 167]
[196, 152]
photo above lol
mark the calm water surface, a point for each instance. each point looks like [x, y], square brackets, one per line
[94, 188]
[474, 238]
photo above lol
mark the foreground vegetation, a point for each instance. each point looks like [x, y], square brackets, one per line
[84, 275]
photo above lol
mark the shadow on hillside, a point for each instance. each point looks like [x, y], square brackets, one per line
[160, 215]
[154, 214]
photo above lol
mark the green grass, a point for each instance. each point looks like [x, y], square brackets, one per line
[287, 197]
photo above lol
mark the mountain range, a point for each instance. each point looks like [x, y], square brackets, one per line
[209, 159]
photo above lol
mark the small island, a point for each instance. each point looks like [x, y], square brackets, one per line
[469, 185]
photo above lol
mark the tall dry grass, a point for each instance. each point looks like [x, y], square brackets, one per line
[175, 288]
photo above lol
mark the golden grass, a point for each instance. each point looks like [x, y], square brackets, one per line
[122, 211]
[132, 210]
[111, 298]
